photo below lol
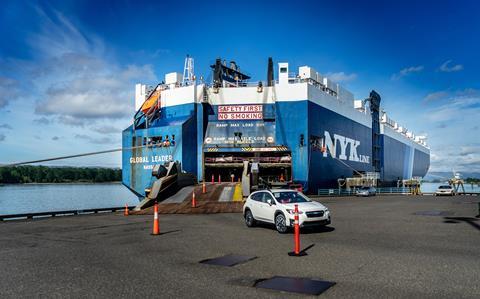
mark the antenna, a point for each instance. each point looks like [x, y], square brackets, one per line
[188, 73]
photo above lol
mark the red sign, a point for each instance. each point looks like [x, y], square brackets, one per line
[232, 112]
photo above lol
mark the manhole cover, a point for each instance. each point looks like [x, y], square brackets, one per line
[295, 285]
[434, 213]
[229, 260]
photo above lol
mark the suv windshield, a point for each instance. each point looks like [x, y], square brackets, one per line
[290, 197]
[365, 188]
[445, 187]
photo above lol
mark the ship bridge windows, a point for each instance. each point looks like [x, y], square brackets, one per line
[157, 141]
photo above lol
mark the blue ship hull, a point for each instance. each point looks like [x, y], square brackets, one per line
[294, 127]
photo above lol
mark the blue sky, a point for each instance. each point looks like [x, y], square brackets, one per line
[68, 69]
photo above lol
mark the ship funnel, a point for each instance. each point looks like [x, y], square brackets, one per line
[270, 72]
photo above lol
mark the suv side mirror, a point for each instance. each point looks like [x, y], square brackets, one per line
[269, 201]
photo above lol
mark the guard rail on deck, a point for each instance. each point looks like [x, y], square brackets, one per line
[341, 192]
[61, 213]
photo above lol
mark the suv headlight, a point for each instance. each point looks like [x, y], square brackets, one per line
[292, 211]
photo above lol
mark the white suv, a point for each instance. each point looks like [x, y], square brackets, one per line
[277, 207]
[445, 190]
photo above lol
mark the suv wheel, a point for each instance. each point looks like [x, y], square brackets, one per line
[249, 220]
[281, 223]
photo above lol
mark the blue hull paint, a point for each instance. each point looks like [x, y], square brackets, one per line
[289, 122]
[397, 161]
[324, 171]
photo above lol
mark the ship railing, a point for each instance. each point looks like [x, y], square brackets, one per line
[352, 191]
[247, 84]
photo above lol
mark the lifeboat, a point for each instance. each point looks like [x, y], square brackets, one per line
[151, 103]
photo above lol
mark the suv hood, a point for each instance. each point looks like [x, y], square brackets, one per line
[306, 206]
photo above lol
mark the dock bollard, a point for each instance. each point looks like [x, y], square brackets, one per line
[194, 202]
[125, 213]
[296, 251]
[156, 223]
[204, 188]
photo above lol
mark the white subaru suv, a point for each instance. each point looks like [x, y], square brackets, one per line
[277, 207]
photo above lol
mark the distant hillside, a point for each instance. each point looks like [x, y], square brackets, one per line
[439, 175]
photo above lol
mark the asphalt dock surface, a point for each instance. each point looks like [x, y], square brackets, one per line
[378, 247]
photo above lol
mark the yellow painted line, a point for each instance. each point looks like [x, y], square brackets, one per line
[237, 193]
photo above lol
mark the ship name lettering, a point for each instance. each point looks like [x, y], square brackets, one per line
[344, 143]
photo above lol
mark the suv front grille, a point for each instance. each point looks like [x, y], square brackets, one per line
[314, 214]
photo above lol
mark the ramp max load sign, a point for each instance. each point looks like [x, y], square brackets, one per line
[240, 133]
[239, 112]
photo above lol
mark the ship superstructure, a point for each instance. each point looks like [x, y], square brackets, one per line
[298, 127]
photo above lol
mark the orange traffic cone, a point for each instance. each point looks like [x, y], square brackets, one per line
[125, 213]
[156, 224]
[204, 188]
[194, 202]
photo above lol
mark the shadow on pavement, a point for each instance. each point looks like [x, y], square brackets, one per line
[170, 232]
[317, 230]
[304, 250]
[303, 230]
[470, 220]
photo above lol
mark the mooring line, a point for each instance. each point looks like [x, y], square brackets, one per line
[75, 156]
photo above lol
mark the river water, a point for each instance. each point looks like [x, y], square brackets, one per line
[19, 199]
[32, 198]
[432, 187]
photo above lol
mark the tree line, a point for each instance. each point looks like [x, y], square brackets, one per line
[472, 180]
[44, 174]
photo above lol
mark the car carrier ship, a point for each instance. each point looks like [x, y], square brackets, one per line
[299, 128]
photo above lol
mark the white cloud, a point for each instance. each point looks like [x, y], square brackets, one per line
[76, 78]
[461, 105]
[455, 144]
[453, 157]
[341, 76]
[8, 90]
[58, 35]
[42, 121]
[104, 92]
[102, 140]
[435, 96]
[107, 129]
[407, 70]
[71, 121]
[469, 150]
[446, 68]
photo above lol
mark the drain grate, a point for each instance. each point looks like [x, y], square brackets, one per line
[229, 260]
[434, 213]
[295, 285]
